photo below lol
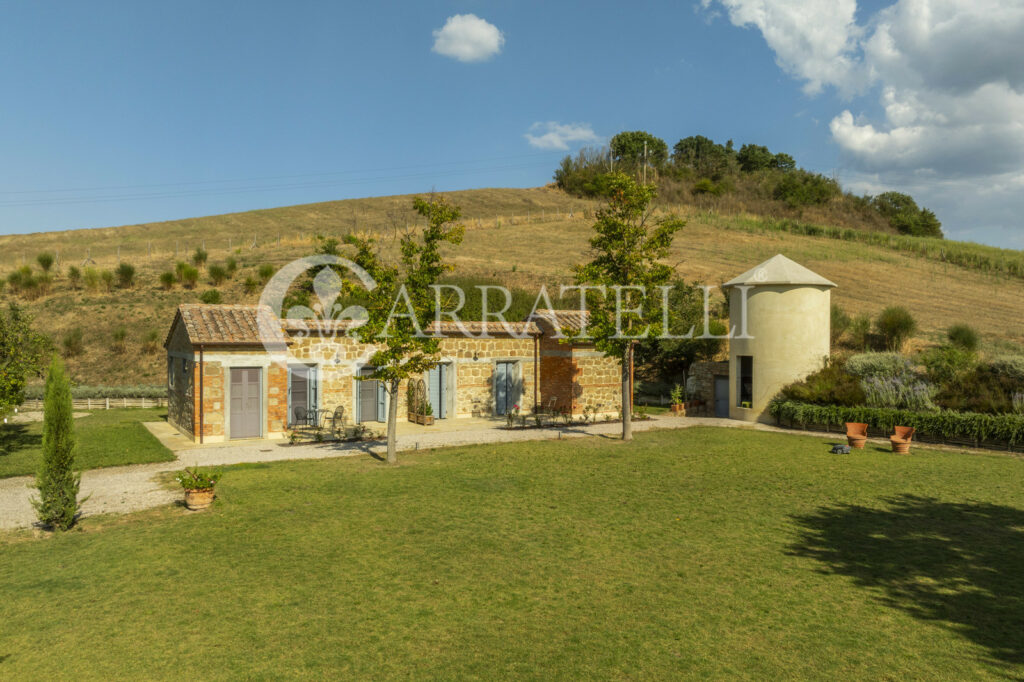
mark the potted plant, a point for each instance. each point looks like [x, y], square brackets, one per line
[678, 398]
[198, 486]
[427, 414]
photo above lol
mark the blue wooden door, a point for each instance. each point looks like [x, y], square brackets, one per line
[506, 395]
[437, 392]
[370, 407]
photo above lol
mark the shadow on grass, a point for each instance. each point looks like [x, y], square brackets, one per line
[15, 437]
[956, 563]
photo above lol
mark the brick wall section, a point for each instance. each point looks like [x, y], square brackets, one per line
[277, 399]
[214, 407]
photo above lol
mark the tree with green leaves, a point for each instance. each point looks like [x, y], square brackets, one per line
[21, 355]
[621, 285]
[705, 156]
[58, 505]
[401, 305]
[628, 148]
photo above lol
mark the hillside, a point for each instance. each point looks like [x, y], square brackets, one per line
[520, 237]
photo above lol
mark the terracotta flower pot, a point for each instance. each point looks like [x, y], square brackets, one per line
[678, 408]
[198, 499]
[901, 448]
[855, 442]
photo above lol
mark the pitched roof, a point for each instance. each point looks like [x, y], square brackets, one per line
[779, 270]
[447, 328]
[570, 320]
[229, 325]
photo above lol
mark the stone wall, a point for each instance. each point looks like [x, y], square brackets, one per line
[703, 374]
[181, 412]
[598, 385]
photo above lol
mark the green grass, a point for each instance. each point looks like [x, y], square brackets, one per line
[105, 438]
[705, 553]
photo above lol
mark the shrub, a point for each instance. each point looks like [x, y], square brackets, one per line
[167, 280]
[189, 277]
[151, 342]
[908, 392]
[199, 256]
[210, 296]
[943, 424]
[57, 506]
[197, 479]
[22, 280]
[265, 272]
[218, 273]
[120, 339]
[73, 343]
[179, 270]
[947, 365]
[706, 186]
[963, 336]
[92, 279]
[250, 285]
[45, 260]
[74, 277]
[831, 385]
[1010, 366]
[840, 322]
[801, 188]
[231, 265]
[895, 324]
[877, 365]
[107, 277]
[125, 275]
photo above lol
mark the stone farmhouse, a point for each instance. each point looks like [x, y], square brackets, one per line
[239, 371]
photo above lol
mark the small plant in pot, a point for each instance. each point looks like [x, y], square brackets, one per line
[198, 486]
[678, 398]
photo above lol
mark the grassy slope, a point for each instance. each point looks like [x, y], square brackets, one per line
[707, 553]
[105, 438]
[712, 248]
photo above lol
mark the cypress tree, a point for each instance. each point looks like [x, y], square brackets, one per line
[57, 505]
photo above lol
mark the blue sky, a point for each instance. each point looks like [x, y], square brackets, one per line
[116, 112]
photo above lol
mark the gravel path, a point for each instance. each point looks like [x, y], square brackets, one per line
[132, 488]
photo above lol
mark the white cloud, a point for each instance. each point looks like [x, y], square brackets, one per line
[554, 135]
[950, 84]
[468, 38]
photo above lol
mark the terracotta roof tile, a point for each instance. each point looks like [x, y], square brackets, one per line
[447, 328]
[230, 325]
[571, 321]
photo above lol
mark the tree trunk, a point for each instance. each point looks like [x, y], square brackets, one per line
[393, 423]
[627, 395]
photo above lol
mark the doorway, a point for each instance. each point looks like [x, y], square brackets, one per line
[303, 389]
[722, 397]
[506, 387]
[370, 405]
[437, 389]
[246, 406]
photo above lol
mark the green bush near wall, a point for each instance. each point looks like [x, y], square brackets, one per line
[1008, 428]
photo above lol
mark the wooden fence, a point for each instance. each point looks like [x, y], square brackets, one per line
[100, 403]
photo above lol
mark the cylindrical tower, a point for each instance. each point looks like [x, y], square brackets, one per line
[780, 314]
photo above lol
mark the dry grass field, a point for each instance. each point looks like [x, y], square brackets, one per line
[520, 237]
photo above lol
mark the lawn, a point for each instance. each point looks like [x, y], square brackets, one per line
[704, 553]
[105, 438]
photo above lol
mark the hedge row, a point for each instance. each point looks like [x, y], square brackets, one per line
[991, 259]
[947, 424]
[83, 392]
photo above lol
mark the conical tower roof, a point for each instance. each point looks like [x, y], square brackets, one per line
[779, 271]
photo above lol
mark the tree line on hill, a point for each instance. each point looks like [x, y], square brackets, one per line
[705, 167]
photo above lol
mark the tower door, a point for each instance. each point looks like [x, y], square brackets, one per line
[722, 396]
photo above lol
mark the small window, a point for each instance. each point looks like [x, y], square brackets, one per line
[170, 372]
[745, 392]
[184, 367]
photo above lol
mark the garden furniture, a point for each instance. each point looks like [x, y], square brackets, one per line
[901, 439]
[856, 434]
[338, 420]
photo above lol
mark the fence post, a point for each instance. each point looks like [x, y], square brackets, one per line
[88, 403]
[107, 403]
